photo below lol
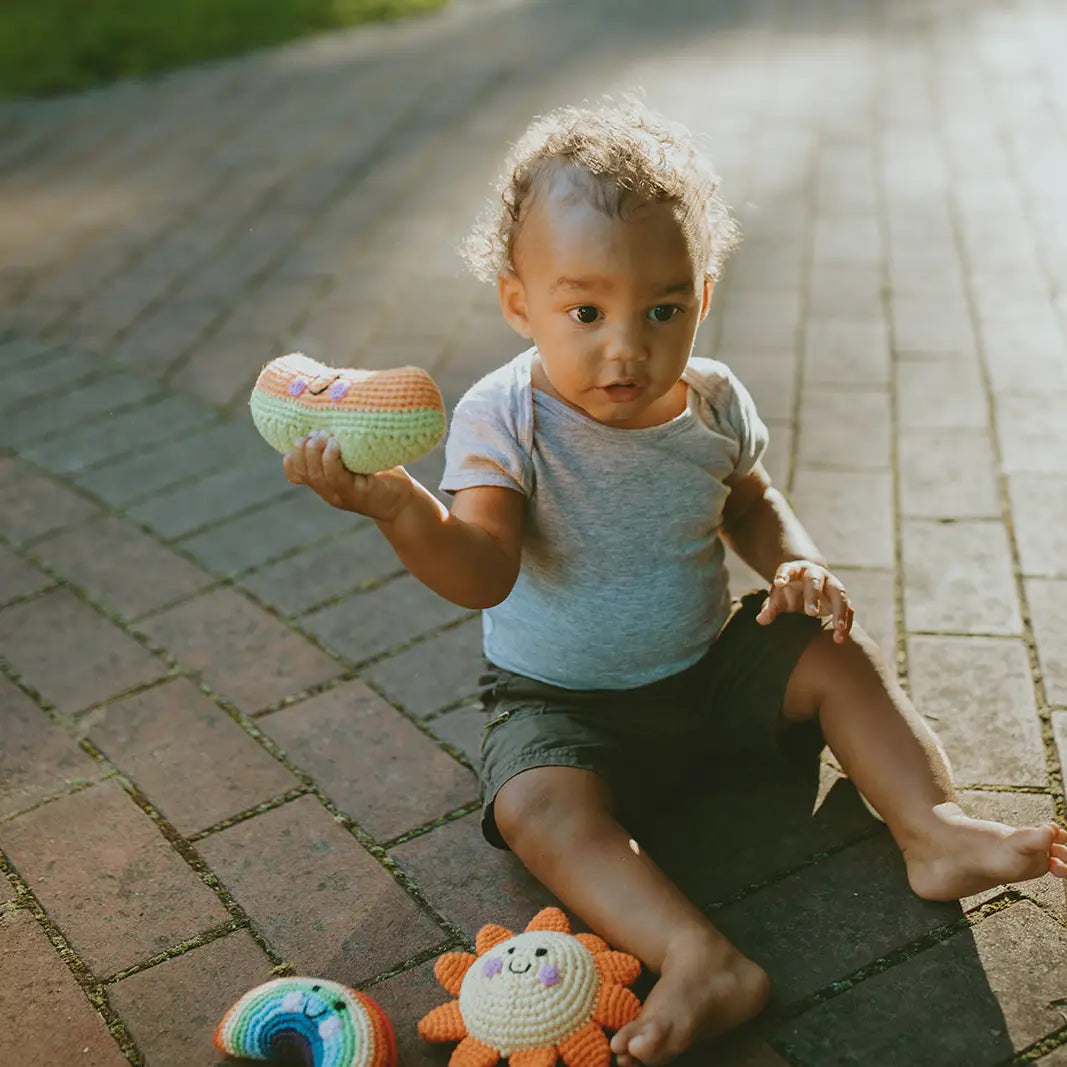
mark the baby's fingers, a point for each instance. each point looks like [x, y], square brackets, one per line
[294, 464]
[787, 572]
[839, 608]
[767, 612]
[814, 583]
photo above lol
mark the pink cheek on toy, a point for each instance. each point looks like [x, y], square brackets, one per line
[548, 975]
[297, 386]
[338, 390]
[493, 966]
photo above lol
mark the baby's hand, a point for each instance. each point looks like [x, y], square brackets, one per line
[801, 585]
[316, 462]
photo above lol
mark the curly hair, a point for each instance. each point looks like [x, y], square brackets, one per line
[623, 155]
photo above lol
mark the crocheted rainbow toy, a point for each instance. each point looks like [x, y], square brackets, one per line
[309, 1021]
[380, 418]
[534, 997]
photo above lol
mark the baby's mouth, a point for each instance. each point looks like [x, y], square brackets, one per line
[623, 390]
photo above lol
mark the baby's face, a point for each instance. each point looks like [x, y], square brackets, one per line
[613, 306]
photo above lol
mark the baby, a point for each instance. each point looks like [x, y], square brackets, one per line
[595, 479]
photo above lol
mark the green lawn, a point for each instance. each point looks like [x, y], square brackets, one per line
[49, 46]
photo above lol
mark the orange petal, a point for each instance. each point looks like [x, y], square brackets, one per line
[586, 1048]
[615, 1007]
[595, 944]
[451, 968]
[444, 1023]
[615, 967]
[550, 919]
[490, 935]
[533, 1057]
[470, 1052]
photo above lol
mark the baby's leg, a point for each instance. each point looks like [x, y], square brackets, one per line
[897, 763]
[559, 822]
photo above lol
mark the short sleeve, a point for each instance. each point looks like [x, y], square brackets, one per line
[728, 408]
[750, 430]
[485, 444]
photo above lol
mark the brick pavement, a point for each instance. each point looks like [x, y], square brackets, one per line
[237, 738]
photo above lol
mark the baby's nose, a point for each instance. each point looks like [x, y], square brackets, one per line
[624, 343]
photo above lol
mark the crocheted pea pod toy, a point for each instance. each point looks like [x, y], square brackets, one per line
[309, 1021]
[380, 418]
[533, 998]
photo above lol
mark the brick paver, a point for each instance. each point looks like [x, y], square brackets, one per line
[236, 738]
[72, 655]
[355, 920]
[46, 1016]
[179, 747]
[391, 781]
[108, 879]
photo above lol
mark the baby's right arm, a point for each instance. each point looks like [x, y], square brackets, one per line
[469, 555]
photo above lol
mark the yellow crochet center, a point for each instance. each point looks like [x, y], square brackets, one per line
[532, 991]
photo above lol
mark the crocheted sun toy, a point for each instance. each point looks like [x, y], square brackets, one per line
[381, 418]
[534, 997]
[309, 1021]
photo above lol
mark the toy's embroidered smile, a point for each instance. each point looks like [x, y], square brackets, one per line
[326, 385]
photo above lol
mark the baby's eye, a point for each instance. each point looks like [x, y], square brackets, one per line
[586, 314]
[663, 312]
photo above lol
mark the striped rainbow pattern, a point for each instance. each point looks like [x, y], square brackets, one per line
[308, 1020]
[380, 419]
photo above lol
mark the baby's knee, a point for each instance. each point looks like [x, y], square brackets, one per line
[543, 803]
[827, 666]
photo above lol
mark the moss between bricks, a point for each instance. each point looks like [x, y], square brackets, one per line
[49, 46]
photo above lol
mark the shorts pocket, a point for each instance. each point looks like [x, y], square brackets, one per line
[502, 713]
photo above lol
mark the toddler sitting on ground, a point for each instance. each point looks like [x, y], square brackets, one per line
[595, 479]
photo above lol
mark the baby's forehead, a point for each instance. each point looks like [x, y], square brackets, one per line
[561, 183]
[567, 223]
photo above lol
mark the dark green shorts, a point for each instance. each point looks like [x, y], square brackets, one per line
[723, 712]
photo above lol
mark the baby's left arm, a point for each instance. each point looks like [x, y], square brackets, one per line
[764, 531]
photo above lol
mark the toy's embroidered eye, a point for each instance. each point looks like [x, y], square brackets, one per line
[340, 1005]
[511, 950]
[315, 988]
[586, 314]
[541, 952]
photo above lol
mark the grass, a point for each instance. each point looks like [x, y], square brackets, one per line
[50, 46]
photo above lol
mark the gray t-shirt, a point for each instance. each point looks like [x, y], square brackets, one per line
[622, 580]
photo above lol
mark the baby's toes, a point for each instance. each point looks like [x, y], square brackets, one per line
[649, 1045]
[1057, 855]
[620, 1041]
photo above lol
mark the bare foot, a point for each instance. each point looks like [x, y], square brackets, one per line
[707, 987]
[959, 855]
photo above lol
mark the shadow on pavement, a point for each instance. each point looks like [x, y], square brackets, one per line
[805, 881]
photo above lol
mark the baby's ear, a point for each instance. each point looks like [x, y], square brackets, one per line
[705, 300]
[512, 296]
